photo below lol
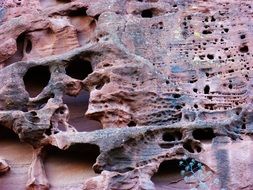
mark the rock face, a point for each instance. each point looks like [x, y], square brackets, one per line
[112, 94]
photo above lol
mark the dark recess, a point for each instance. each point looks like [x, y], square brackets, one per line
[206, 89]
[28, 48]
[147, 13]
[78, 12]
[35, 79]
[6, 133]
[79, 69]
[203, 134]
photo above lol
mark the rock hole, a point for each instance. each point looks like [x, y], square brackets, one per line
[131, 124]
[203, 134]
[168, 137]
[166, 176]
[72, 166]
[242, 36]
[244, 49]
[28, 48]
[176, 95]
[101, 83]
[19, 157]
[6, 133]
[77, 107]
[210, 56]
[206, 89]
[79, 12]
[213, 19]
[226, 29]
[35, 79]
[79, 69]
[172, 136]
[207, 32]
[147, 13]
[18, 56]
[32, 116]
[188, 147]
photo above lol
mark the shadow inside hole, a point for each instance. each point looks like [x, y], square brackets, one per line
[18, 56]
[6, 133]
[203, 134]
[35, 79]
[147, 13]
[28, 48]
[206, 89]
[79, 69]
[191, 147]
[168, 176]
[77, 108]
[172, 136]
[131, 124]
[71, 166]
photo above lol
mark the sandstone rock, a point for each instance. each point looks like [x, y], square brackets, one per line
[114, 94]
[4, 167]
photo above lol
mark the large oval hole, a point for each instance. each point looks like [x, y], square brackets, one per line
[65, 168]
[35, 79]
[79, 69]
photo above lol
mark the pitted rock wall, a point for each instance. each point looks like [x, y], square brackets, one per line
[112, 94]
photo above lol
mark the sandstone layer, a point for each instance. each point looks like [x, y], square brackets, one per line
[112, 94]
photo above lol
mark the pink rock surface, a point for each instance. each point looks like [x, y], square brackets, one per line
[111, 95]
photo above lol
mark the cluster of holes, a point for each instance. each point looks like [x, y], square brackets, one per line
[156, 26]
[33, 117]
[187, 27]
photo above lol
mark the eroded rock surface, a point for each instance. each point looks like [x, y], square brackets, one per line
[111, 94]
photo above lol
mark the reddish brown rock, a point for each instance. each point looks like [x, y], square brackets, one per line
[113, 94]
[4, 167]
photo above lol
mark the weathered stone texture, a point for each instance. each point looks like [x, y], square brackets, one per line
[98, 94]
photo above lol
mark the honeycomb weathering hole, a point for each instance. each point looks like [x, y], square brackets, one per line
[172, 136]
[35, 79]
[28, 48]
[18, 56]
[203, 134]
[18, 155]
[79, 69]
[167, 174]
[77, 107]
[147, 13]
[6, 133]
[71, 166]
